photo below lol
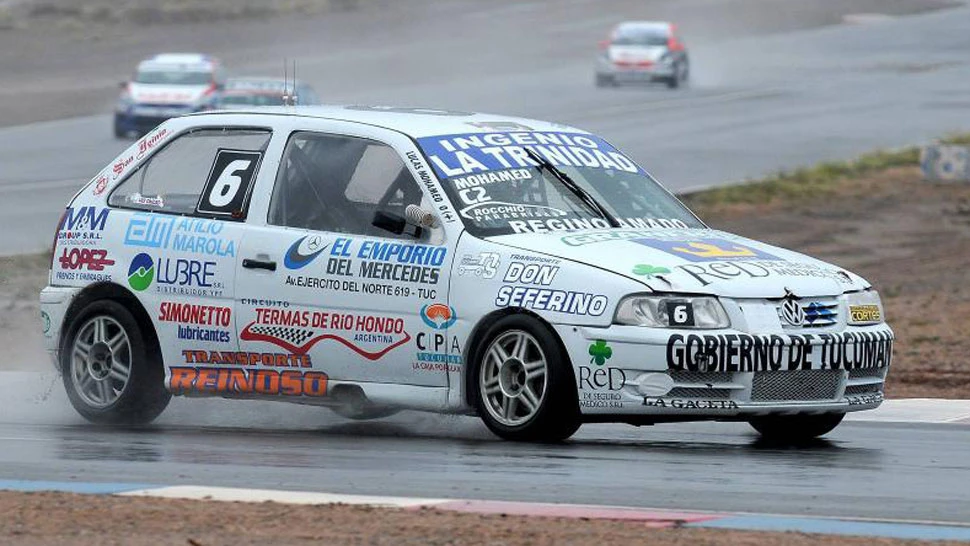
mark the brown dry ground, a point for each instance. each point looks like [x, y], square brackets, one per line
[911, 240]
[42, 519]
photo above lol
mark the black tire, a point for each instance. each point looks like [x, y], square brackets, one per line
[557, 415]
[674, 81]
[605, 80]
[118, 130]
[795, 428]
[143, 396]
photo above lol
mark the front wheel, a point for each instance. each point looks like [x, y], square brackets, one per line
[119, 130]
[111, 373]
[524, 385]
[680, 75]
[795, 428]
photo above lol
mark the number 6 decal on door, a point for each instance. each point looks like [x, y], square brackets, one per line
[230, 181]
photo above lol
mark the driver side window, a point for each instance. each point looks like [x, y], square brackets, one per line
[339, 183]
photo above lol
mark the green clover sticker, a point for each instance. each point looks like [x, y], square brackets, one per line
[649, 271]
[600, 352]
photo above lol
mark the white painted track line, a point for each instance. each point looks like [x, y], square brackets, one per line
[233, 494]
[917, 410]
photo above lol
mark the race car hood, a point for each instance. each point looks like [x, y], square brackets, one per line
[635, 53]
[696, 261]
[142, 93]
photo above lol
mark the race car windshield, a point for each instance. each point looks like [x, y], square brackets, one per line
[640, 37]
[253, 100]
[498, 189]
[173, 77]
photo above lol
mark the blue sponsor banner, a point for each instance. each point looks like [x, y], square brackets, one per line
[707, 249]
[470, 153]
[195, 235]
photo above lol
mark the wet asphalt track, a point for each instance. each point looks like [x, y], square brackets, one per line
[893, 471]
[758, 104]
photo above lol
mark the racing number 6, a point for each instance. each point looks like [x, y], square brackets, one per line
[229, 184]
[680, 313]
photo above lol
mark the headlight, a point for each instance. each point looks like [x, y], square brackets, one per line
[702, 312]
[865, 308]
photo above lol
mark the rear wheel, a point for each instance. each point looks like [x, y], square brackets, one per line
[605, 80]
[795, 428]
[111, 374]
[524, 384]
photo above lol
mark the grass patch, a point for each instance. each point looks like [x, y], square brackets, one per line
[810, 182]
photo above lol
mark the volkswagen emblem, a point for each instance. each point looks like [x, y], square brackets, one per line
[792, 312]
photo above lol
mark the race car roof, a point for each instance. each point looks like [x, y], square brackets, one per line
[185, 61]
[659, 26]
[415, 122]
[257, 86]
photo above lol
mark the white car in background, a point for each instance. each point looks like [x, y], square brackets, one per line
[376, 259]
[167, 86]
[246, 92]
[643, 52]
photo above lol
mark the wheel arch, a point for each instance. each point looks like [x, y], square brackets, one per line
[477, 338]
[108, 291]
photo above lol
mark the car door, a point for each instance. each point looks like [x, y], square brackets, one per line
[323, 286]
[182, 211]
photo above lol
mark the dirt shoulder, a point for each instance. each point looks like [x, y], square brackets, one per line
[21, 280]
[909, 238]
[100, 520]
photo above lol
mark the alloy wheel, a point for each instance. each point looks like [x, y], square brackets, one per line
[100, 361]
[512, 381]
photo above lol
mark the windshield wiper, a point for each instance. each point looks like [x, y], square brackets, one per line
[573, 187]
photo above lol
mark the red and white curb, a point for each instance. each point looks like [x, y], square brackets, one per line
[648, 517]
[655, 518]
[659, 518]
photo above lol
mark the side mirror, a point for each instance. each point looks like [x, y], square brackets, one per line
[418, 217]
[604, 44]
[122, 85]
[390, 222]
[414, 216]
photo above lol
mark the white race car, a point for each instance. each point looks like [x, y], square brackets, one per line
[374, 259]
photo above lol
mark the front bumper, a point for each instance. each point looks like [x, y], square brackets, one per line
[655, 72]
[141, 119]
[625, 371]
